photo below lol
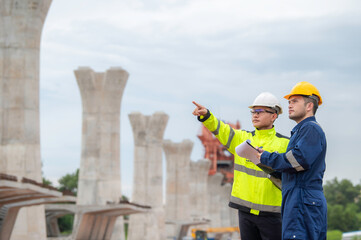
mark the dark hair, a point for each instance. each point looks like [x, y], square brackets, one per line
[312, 99]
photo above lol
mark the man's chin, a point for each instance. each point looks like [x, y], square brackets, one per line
[293, 117]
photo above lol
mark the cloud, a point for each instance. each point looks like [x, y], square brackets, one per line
[219, 53]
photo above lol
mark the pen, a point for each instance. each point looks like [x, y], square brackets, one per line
[249, 143]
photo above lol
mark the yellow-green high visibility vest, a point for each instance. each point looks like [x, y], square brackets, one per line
[252, 189]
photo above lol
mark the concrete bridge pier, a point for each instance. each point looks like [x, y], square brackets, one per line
[21, 24]
[148, 134]
[177, 182]
[226, 212]
[214, 199]
[177, 192]
[199, 188]
[99, 174]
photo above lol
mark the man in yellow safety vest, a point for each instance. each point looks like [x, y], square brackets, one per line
[256, 197]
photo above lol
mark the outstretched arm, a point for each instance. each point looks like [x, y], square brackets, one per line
[228, 136]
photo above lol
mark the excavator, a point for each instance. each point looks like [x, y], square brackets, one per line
[212, 233]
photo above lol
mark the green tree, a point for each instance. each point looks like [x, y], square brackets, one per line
[69, 182]
[47, 182]
[335, 217]
[344, 218]
[65, 224]
[351, 212]
[342, 192]
[344, 212]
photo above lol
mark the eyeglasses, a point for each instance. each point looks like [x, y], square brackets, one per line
[260, 111]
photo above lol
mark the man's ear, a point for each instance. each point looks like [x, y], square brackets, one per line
[274, 117]
[309, 107]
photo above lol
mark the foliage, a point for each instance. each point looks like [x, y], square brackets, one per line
[126, 227]
[66, 224]
[342, 192]
[69, 182]
[47, 182]
[344, 208]
[334, 235]
[125, 198]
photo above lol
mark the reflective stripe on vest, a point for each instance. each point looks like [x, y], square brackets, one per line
[231, 135]
[215, 132]
[261, 174]
[260, 207]
[250, 171]
[258, 177]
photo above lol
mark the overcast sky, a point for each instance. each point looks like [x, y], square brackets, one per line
[220, 53]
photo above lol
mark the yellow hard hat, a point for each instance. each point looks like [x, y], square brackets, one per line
[306, 89]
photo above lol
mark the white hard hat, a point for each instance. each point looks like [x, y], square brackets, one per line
[267, 99]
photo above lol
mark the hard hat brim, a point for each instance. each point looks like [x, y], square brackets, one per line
[290, 95]
[287, 96]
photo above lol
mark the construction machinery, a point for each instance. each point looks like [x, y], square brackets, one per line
[212, 233]
[221, 159]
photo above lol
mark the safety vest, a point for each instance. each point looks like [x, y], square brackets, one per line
[252, 189]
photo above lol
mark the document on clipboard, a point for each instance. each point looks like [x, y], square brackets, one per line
[246, 150]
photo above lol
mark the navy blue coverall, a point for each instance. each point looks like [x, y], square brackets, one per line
[304, 207]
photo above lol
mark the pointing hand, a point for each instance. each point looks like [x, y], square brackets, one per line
[199, 110]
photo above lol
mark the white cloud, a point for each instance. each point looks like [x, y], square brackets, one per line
[197, 17]
[220, 53]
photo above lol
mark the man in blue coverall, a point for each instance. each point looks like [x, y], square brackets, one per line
[304, 207]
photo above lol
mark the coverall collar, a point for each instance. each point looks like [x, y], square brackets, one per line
[312, 118]
[266, 132]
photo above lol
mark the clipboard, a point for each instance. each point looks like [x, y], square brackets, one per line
[248, 151]
[249, 143]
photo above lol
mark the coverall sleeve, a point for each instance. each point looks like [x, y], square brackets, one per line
[228, 136]
[307, 146]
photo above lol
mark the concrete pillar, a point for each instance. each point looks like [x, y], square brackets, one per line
[177, 183]
[148, 134]
[21, 24]
[99, 175]
[198, 188]
[177, 192]
[233, 214]
[224, 200]
[214, 199]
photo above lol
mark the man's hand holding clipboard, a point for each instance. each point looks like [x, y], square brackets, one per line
[248, 151]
